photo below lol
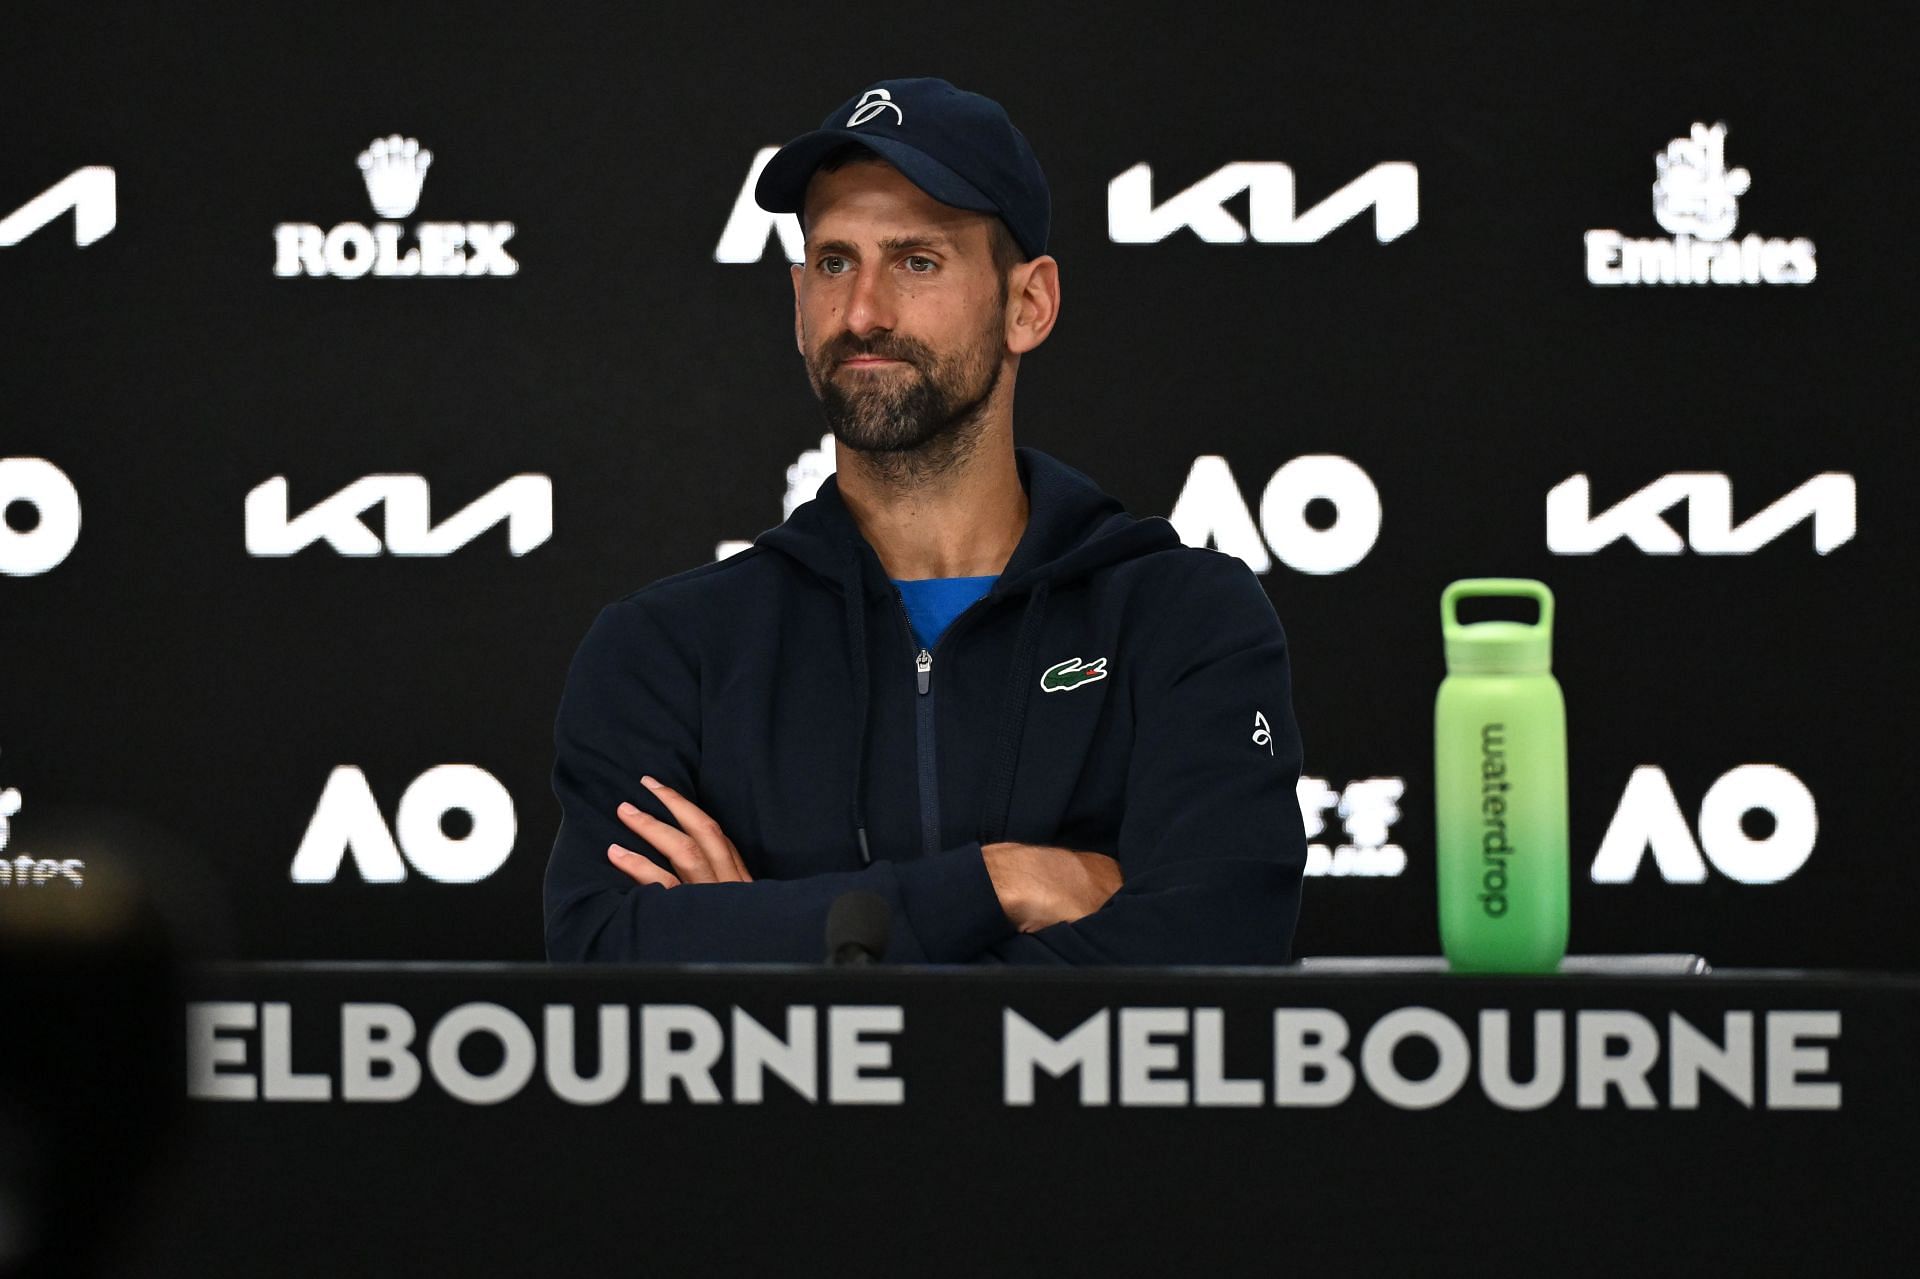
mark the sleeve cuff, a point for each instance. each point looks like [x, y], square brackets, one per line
[951, 905]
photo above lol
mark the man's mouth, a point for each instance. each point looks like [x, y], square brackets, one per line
[868, 362]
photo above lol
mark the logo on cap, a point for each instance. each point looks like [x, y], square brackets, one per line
[871, 104]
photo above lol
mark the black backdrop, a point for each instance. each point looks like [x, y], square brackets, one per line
[170, 696]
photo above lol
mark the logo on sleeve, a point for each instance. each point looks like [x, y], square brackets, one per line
[1065, 676]
[1262, 735]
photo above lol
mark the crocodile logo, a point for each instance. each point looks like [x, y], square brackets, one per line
[1065, 676]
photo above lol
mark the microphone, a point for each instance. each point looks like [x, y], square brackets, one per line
[857, 929]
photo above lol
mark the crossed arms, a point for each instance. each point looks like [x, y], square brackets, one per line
[1208, 857]
[1037, 885]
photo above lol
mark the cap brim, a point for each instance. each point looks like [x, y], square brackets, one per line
[782, 187]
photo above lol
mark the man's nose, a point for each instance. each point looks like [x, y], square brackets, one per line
[870, 305]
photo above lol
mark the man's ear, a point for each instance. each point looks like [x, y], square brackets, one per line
[797, 272]
[1033, 303]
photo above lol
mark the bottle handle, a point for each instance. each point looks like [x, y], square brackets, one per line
[1473, 588]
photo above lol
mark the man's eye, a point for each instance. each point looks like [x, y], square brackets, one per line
[919, 265]
[833, 265]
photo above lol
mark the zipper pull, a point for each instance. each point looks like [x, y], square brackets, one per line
[923, 666]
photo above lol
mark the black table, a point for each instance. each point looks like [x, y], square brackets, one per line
[1377, 1116]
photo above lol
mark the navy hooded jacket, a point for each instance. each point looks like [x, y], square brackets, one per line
[1114, 692]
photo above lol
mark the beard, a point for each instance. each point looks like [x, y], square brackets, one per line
[917, 419]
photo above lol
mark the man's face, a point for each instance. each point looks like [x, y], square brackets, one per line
[899, 312]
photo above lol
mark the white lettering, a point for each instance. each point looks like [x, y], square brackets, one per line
[1776, 856]
[208, 1050]
[299, 247]
[757, 1050]
[1626, 1070]
[1788, 1060]
[352, 249]
[1211, 1087]
[1549, 1060]
[488, 242]
[89, 192]
[1391, 190]
[1142, 1054]
[563, 1075]
[437, 855]
[1828, 500]
[1026, 1048]
[56, 503]
[347, 820]
[1211, 510]
[1383, 1074]
[1649, 819]
[377, 1035]
[744, 239]
[1692, 1054]
[1310, 1039]
[853, 1055]
[662, 1062]
[523, 502]
[518, 1055]
[278, 1082]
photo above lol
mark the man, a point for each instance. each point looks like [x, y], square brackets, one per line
[961, 677]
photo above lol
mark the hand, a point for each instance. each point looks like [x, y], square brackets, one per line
[699, 850]
[1039, 886]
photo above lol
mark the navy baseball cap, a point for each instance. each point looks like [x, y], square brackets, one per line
[958, 147]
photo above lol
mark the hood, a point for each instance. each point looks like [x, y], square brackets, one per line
[1072, 529]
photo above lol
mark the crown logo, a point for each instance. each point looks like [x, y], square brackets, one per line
[395, 168]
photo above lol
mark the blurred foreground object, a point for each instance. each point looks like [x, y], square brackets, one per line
[89, 1060]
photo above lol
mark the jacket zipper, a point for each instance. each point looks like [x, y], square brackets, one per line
[923, 735]
[924, 740]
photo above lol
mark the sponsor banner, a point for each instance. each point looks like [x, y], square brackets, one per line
[1223, 1083]
[394, 170]
[1249, 1040]
[90, 193]
[21, 869]
[524, 503]
[1332, 325]
[347, 825]
[39, 516]
[1828, 502]
[1391, 191]
[1696, 199]
[1159, 1056]
[1365, 810]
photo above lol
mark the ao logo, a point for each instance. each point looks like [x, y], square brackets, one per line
[91, 194]
[1828, 499]
[348, 821]
[1211, 510]
[523, 502]
[744, 238]
[50, 536]
[1649, 819]
[1391, 190]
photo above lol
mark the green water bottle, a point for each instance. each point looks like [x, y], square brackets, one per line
[1500, 787]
